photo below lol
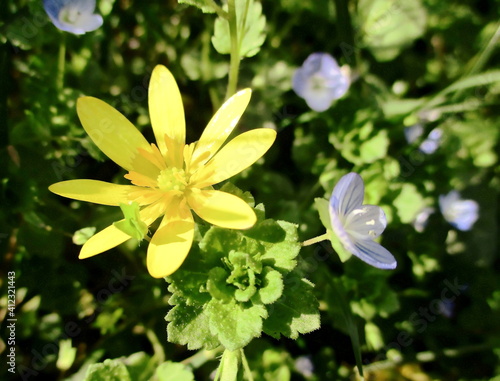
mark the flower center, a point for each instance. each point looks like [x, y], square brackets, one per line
[172, 179]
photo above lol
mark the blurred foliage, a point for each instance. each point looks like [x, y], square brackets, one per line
[430, 62]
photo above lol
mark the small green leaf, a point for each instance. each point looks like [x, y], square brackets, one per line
[206, 6]
[250, 26]
[132, 225]
[109, 370]
[408, 203]
[217, 286]
[172, 371]
[282, 254]
[235, 325]
[272, 288]
[374, 148]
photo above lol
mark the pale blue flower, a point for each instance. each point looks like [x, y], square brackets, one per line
[304, 366]
[420, 221]
[320, 81]
[430, 144]
[74, 16]
[461, 214]
[357, 225]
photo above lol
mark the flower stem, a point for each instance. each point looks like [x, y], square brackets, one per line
[61, 63]
[246, 368]
[314, 240]
[234, 65]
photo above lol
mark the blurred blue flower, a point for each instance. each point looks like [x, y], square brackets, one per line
[304, 366]
[320, 81]
[357, 225]
[420, 221]
[430, 144]
[74, 16]
[461, 214]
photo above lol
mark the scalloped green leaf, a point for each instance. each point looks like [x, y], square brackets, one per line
[272, 288]
[189, 325]
[295, 312]
[282, 255]
[235, 325]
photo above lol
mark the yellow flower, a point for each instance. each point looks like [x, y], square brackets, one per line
[171, 178]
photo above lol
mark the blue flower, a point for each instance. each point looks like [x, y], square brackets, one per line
[74, 16]
[430, 144]
[420, 221]
[357, 225]
[320, 81]
[461, 214]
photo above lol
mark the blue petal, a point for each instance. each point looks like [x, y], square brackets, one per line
[348, 194]
[374, 254]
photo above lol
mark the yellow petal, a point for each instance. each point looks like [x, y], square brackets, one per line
[165, 108]
[105, 240]
[98, 192]
[170, 245]
[115, 136]
[222, 209]
[221, 125]
[111, 236]
[234, 157]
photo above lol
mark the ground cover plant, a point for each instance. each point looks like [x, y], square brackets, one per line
[249, 190]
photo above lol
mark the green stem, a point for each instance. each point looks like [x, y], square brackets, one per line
[234, 65]
[315, 239]
[220, 12]
[159, 353]
[61, 63]
[246, 367]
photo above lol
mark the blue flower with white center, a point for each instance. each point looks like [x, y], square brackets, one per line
[74, 16]
[357, 225]
[461, 214]
[320, 81]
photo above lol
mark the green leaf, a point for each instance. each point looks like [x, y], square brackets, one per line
[408, 203]
[189, 325]
[295, 312]
[172, 371]
[234, 190]
[217, 286]
[390, 25]
[282, 254]
[250, 28]
[235, 325]
[132, 225]
[83, 235]
[272, 287]
[206, 6]
[374, 148]
[109, 370]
